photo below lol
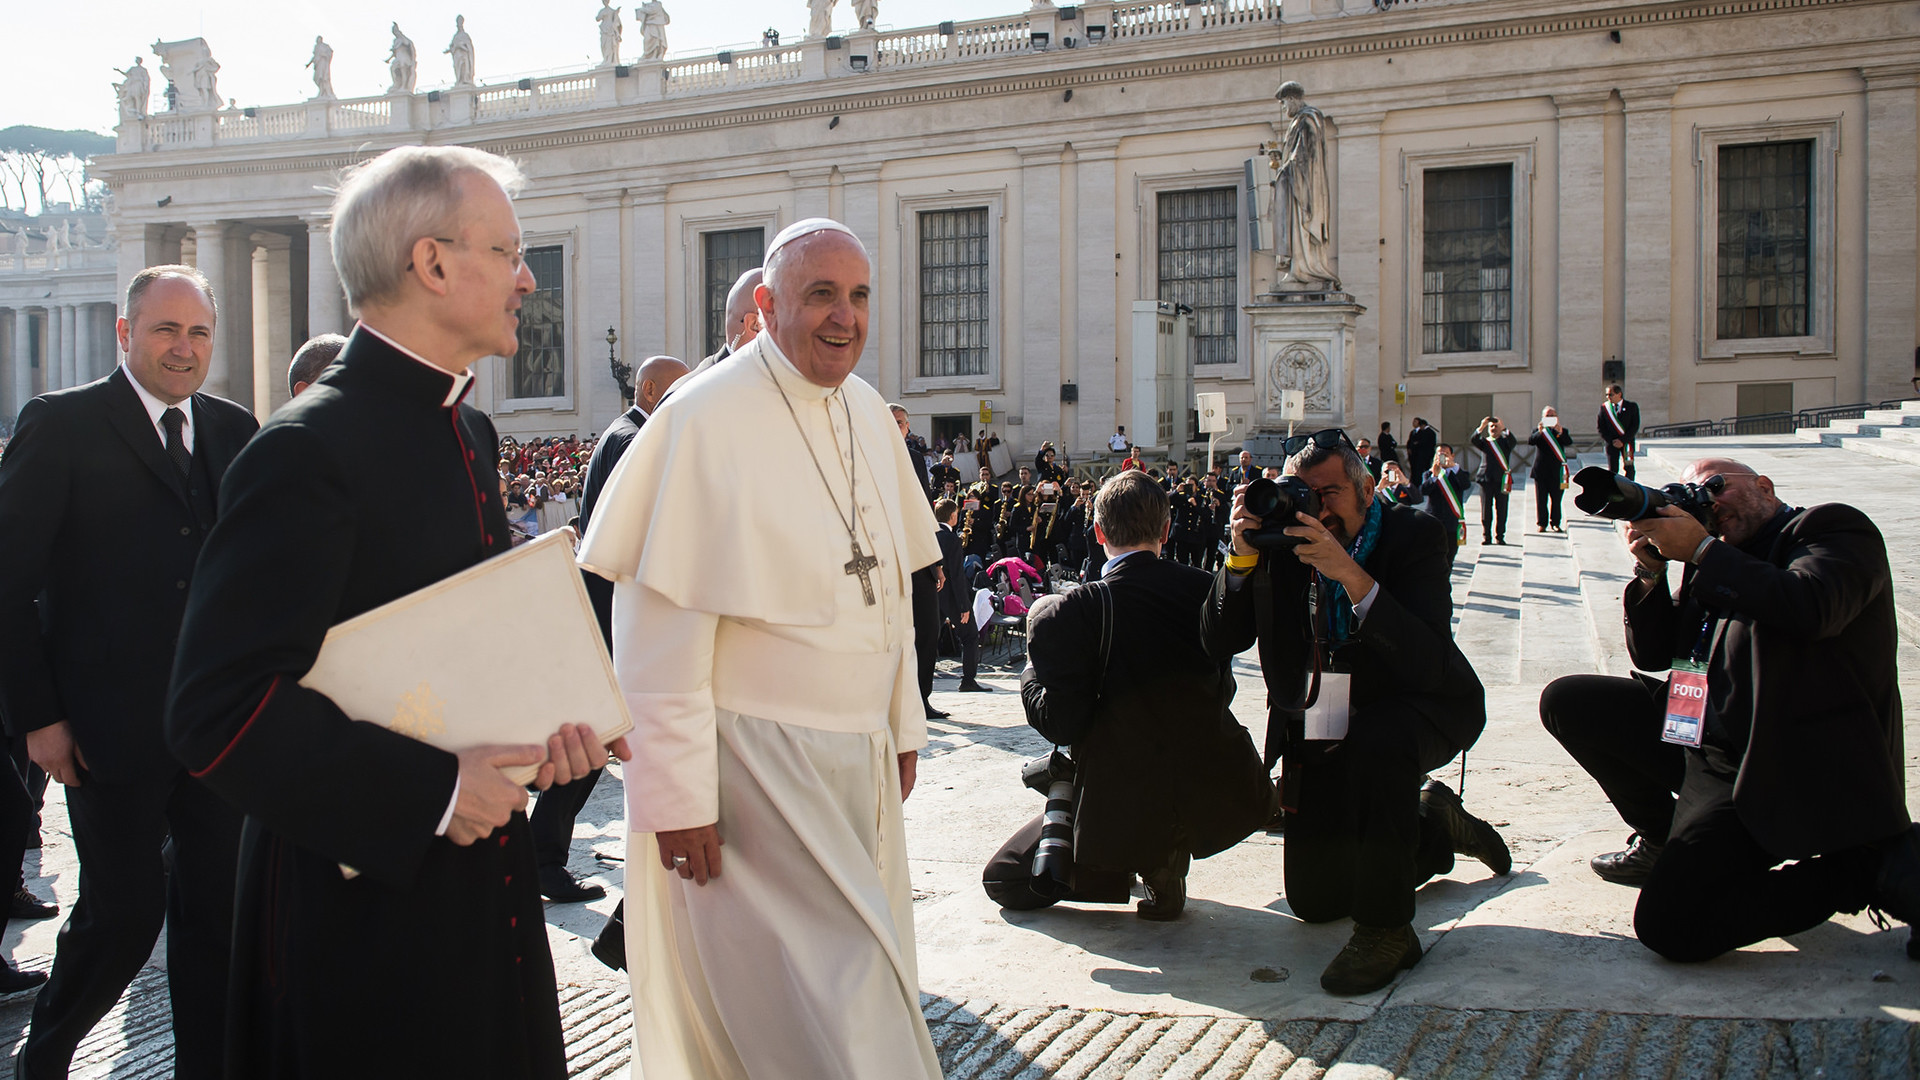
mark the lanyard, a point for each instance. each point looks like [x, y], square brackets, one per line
[1704, 644]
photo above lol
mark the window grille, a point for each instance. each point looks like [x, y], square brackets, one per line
[1200, 264]
[955, 297]
[539, 365]
[727, 256]
[1467, 260]
[1766, 239]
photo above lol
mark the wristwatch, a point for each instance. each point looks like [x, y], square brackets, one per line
[1644, 573]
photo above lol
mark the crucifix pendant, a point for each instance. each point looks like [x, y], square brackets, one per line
[862, 564]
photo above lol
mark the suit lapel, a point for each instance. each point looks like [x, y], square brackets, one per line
[130, 420]
[211, 440]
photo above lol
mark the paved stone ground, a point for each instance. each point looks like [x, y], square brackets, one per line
[1533, 974]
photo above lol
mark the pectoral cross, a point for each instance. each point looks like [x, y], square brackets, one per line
[862, 564]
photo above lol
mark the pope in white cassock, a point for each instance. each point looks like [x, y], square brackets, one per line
[760, 533]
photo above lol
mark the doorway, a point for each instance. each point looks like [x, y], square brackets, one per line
[946, 427]
[1460, 416]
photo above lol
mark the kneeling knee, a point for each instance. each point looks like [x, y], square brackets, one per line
[1670, 930]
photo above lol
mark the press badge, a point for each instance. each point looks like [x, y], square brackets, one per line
[1686, 703]
[1327, 717]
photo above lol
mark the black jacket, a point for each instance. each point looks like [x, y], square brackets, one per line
[1163, 765]
[1491, 471]
[1546, 467]
[606, 454]
[1801, 670]
[956, 597]
[1625, 430]
[1401, 657]
[1421, 444]
[103, 532]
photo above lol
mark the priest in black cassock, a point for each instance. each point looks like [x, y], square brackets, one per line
[429, 958]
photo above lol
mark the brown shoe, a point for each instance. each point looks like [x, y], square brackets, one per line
[1371, 959]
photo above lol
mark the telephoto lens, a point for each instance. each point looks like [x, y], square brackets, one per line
[1052, 775]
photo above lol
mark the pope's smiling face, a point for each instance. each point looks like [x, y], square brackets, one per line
[814, 303]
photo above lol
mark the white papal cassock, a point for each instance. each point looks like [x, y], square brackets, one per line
[769, 696]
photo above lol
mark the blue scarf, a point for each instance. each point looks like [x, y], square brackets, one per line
[1361, 550]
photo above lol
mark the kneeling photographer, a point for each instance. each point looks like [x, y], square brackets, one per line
[1350, 603]
[1779, 728]
[1160, 771]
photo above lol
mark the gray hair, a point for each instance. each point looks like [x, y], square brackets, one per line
[144, 280]
[384, 206]
[786, 254]
[313, 358]
[1315, 455]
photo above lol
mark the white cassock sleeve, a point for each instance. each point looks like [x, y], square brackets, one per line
[666, 675]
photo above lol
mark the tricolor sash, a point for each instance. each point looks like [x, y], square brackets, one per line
[1554, 442]
[1506, 481]
[1613, 417]
[1459, 512]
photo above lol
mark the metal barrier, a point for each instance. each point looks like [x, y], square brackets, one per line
[1775, 423]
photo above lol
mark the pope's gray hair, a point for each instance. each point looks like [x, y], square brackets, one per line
[787, 253]
[384, 206]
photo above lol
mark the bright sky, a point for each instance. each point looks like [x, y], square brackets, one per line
[62, 72]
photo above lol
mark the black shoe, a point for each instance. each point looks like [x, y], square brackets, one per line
[1630, 867]
[1371, 959]
[971, 687]
[561, 887]
[14, 981]
[1896, 886]
[937, 714]
[1166, 895]
[1471, 837]
[28, 906]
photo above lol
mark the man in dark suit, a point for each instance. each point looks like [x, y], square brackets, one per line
[1495, 444]
[440, 930]
[1245, 472]
[107, 492]
[1784, 630]
[743, 321]
[1552, 443]
[1619, 424]
[1165, 774]
[1421, 442]
[956, 597]
[1362, 833]
[1445, 493]
[555, 810]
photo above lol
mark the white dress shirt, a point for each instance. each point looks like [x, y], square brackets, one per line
[157, 408]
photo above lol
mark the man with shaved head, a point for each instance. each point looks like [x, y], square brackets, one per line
[1775, 739]
[743, 319]
[764, 641]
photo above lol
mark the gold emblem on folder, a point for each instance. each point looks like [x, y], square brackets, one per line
[419, 713]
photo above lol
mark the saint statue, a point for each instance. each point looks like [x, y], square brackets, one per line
[206, 81]
[1303, 207]
[820, 18]
[653, 30]
[134, 92]
[461, 49]
[867, 11]
[322, 65]
[609, 19]
[402, 62]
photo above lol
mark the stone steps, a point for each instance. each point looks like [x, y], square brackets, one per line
[1891, 434]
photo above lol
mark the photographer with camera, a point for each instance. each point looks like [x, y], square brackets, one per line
[1350, 603]
[1160, 770]
[1495, 444]
[1552, 445]
[1445, 492]
[1779, 728]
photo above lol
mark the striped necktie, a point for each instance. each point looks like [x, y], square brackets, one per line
[175, 420]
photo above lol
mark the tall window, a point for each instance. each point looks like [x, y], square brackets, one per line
[954, 270]
[727, 256]
[1199, 266]
[539, 366]
[1766, 234]
[1467, 260]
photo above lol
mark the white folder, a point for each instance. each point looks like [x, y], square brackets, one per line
[501, 653]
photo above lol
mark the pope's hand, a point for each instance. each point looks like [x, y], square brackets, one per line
[53, 749]
[693, 853]
[487, 798]
[909, 770]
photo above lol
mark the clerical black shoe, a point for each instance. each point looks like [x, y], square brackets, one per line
[1371, 959]
[1166, 895]
[1630, 867]
[14, 981]
[25, 905]
[937, 714]
[1471, 837]
[970, 687]
[560, 886]
[1896, 887]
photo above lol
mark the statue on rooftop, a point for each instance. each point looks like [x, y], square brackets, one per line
[653, 30]
[867, 11]
[1303, 208]
[134, 92]
[403, 62]
[206, 81]
[820, 18]
[322, 65]
[609, 19]
[461, 49]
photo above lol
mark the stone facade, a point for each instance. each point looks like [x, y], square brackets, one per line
[1054, 141]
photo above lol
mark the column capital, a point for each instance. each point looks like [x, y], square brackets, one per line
[1361, 124]
[1581, 103]
[1891, 76]
[1095, 149]
[810, 176]
[318, 222]
[215, 227]
[1040, 156]
[604, 200]
[862, 173]
[648, 194]
[1649, 98]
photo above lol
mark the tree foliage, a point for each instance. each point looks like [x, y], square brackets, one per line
[35, 161]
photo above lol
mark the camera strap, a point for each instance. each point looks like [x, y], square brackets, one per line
[1262, 584]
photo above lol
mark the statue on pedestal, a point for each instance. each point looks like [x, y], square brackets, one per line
[653, 30]
[609, 19]
[820, 18]
[461, 49]
[134, 92]
[206, 81]
[403, 62]
[867, 11]
[322, 65]
[20, 242]
[1303, 203]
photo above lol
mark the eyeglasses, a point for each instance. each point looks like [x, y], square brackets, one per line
[1325, 440]
[516, 258]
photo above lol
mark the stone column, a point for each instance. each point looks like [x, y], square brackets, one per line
[1095, 326]
[646, 334]
[860, 199]
[595, 397]
[1649, 245]
[52, 365]
[86, 365]
[811, 192]
[1037, 329]
[1356, 236]
[272, 316]
[1893, 246]
[69, 352]
[1580, 269]
[326, 303]
[22, 358]
[210, 258]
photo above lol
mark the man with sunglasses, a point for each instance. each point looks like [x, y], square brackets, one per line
[1362, 833]
[1777, 736]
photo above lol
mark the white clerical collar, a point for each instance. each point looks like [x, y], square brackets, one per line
[157, 408]
[460, 379]
[788, 376]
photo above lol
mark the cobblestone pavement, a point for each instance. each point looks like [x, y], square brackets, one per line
[1534, 974]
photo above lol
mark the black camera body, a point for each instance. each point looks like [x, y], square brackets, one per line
[1609, 495]
[1275, 502]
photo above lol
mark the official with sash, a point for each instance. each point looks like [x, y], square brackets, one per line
[1552, 444]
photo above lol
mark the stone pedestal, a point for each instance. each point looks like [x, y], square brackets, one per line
[1304, 341]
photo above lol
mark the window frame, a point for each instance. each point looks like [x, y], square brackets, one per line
[1824, 133]
[1147, 191]
[502, 366]
[1413, 169]
[909, 208]
[693, 252]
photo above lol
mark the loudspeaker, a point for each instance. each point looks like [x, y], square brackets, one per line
[1069, 393]
[1613, 371]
